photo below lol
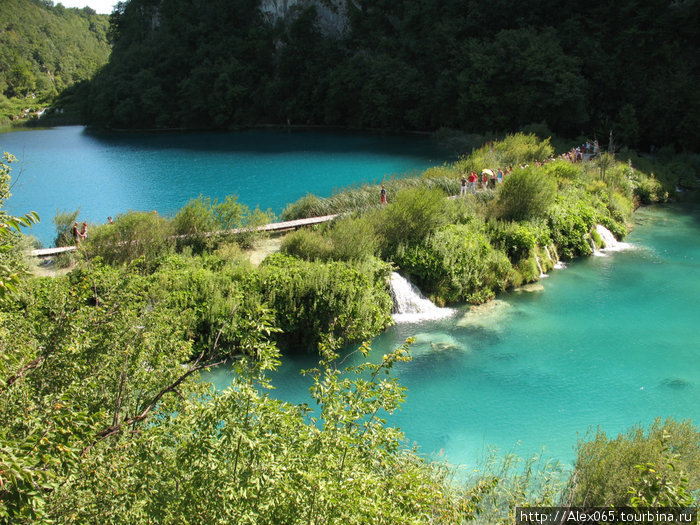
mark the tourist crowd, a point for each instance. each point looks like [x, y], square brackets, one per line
[489, 178]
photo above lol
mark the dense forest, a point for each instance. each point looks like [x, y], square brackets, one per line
[45, 49]
[629, 67]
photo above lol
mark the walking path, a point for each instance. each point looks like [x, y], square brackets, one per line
[272, 227]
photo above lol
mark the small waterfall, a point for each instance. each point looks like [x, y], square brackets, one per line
[409, 303]
[558, 265]
[595, 249]
[549, 255]
[611, 243]
[539, 267]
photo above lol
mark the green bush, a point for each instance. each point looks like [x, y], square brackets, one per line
[133, 235]
[456, 264]
[570, 220]
[620, 207]
[196, 217]
[411, 217]
[517, 240]
[611, 471]
[648, 190]
[521, 148]
[309, 244]
[203, 223]
[563, 171]
[525, 194]
[354, 238]
[512, 150]
[307, 206]
[311, 299]
[211, 291]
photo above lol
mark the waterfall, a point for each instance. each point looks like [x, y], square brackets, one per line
[549, 255]
[591, 243]
[611, 243]
[539, 267]
[557, 263]
[409, 303]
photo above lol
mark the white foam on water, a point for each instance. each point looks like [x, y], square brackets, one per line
[611, 244]
[410, 305]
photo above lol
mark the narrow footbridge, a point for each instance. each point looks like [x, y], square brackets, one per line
[272, 227]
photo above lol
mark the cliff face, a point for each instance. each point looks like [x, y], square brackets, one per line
[332, 17]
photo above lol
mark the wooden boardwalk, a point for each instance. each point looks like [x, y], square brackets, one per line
[272, 227]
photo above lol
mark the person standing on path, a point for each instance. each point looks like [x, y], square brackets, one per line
[472, 182]
[382, 195]
[83, 231]
[463, 188]
[75, 232]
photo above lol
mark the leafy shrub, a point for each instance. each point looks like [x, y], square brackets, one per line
[570, 220]
[521, 148]
[195, 217]
[517, 240]
[309, 244]
[133, 235]
[455, 264]
[307, 206]
[311, 299]
[211, 291]
[562, 170]
[512, 150]
[607, 470]
[648, 190]
[353, 238]
[620, 207]
[525, 194]
[528, 268]
[413, 215]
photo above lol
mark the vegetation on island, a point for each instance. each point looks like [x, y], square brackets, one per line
[104, 416]
[46, 51]
[629, 67]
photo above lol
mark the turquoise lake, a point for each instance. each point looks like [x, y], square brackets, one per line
[105, 174]
[609, 341]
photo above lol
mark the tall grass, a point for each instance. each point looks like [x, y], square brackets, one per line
[366, 196]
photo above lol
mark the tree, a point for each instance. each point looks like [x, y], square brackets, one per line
[10, 227]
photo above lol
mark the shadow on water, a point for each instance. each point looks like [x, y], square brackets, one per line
[675, 383]
[271, 141]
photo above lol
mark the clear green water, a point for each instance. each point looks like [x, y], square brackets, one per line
[608, 341]
[109, 173]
